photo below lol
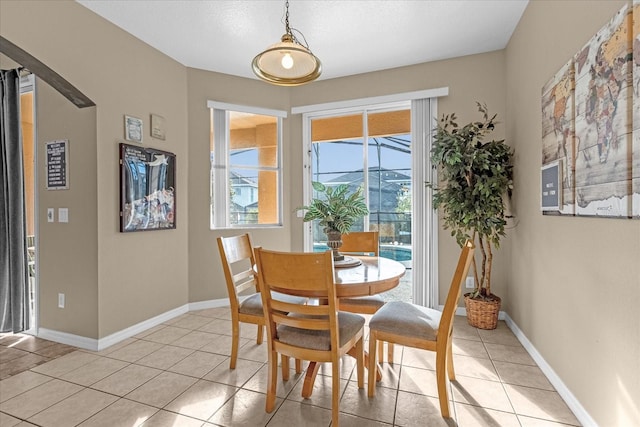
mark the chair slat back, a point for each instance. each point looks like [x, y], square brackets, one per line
[295, 273]
[361, 242]
[307, 310]
[243, 276]
[237, 257]
[299, 274]
[459, 276]
[316, 324]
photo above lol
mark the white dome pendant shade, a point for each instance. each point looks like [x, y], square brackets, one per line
[287, 63]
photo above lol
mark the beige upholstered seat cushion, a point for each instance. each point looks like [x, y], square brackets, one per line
[348, 325]
[253, 304]
[368, 301]
[410, 320]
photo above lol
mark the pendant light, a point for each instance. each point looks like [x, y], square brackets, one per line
[288, 63]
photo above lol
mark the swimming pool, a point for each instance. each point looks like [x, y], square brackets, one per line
[398, 253]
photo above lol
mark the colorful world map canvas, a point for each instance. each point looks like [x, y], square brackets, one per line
[635, 160]
[591, 122]
[558, 131]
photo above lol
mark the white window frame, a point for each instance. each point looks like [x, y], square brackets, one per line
[219, 186]
[424, 218]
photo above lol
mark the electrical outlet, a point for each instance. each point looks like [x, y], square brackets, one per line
[470, 282]
[60, 300]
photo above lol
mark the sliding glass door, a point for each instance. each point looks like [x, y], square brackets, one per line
[382, 144]
[369, 149]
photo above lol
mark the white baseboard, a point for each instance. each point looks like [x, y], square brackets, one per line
[68, 339]
[131, 331]
[578, 410]
[96, 345]
[212, 303]
[102, 343]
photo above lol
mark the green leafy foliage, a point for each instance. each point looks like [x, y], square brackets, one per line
[336, 209]
[475, 175]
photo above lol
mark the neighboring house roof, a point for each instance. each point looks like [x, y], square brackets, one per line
[240, 180]
[387, 177]
[384, 186]
[241, 200]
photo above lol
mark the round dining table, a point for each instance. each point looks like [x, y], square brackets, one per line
[371, 276]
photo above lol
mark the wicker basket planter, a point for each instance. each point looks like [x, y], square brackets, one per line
[482, 314]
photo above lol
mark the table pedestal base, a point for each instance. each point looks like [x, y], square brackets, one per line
[312, 372]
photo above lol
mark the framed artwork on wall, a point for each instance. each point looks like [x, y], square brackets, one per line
[147, 189]
[603, 104]
[591, 124]
[551, 184]
[132, 129]
[558, 136]
[158, 127]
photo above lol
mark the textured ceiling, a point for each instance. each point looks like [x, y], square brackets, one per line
[349, 37]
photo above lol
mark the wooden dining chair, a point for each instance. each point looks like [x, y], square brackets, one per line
[238, 260]
[364, 243]
[424, 328]
[317, 333]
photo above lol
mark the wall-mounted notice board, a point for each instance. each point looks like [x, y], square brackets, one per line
[551, 186]
[57, 153]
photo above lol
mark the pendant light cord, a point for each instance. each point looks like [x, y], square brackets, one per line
[286, 19]
[288, 30]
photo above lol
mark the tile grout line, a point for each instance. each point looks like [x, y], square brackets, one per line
[484, 344]
[287, 395]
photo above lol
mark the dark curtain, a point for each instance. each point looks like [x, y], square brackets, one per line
[14, 274]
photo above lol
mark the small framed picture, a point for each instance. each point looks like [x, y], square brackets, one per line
[157, 127]
[551, 186]
[132, 129]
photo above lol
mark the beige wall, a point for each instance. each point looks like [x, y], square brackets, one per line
[486, 84]
[571, 284]
[206, 279]
[469, 79]
[574, 282]
[68, 247]
[136, 276]
[124, 76]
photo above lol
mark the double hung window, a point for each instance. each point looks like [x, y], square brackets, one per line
[246, 166]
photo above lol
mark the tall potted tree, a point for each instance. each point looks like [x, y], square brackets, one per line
[475, 176]
[337, 209]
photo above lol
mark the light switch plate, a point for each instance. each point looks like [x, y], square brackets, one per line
[50, 215]
[63, 215]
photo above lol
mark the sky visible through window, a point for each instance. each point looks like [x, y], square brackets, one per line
[332, 159]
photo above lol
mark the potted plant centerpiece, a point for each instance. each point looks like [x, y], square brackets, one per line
[475, 176]
[337, 209]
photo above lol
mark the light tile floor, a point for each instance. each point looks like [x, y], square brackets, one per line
[177, 374]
